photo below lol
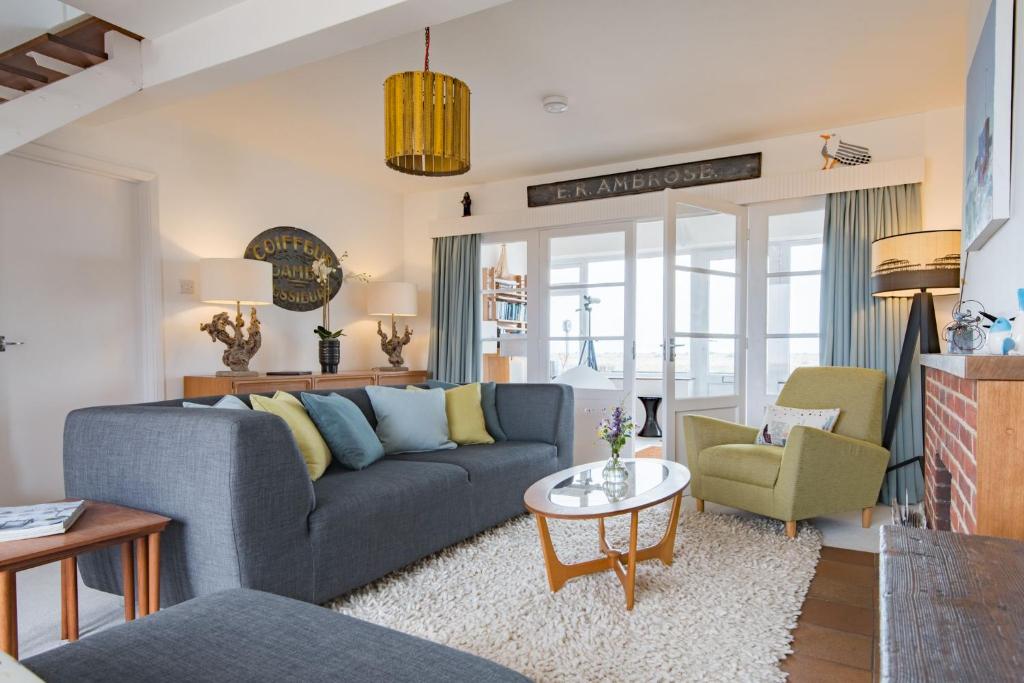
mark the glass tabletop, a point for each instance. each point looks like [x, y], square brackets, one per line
[589, 489]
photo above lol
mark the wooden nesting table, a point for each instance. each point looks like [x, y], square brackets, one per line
[100, 525]
[581, 493]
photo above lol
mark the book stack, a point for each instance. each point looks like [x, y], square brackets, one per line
[33, 521]
[511, 311]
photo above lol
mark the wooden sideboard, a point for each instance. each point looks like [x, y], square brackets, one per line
[211, 385]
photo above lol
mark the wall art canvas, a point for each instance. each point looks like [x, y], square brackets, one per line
[987, 122]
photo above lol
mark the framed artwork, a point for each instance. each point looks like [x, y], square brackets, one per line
[987, 124]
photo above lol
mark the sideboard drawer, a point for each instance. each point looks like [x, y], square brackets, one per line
[401, 378]
[346, 381]
[259, 386]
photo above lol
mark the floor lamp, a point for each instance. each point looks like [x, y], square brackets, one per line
[914, 265]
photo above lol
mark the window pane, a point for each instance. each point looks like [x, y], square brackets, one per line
[705, 303]
[649, 313]
[794, 241]
[566, 354]
[565, 276]
[793, 304]
[705, 367]
[569, 317]
[703, 237]
[784, 356]
[598, 258]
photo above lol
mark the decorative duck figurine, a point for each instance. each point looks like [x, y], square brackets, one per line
[835, 150]
[1000, 338]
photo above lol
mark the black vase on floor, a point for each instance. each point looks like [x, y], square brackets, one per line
[330, 356]
[651, 427]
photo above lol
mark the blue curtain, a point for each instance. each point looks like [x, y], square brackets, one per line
[862, 330]
[454, 353]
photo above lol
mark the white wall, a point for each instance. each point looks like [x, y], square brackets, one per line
[994, 273]
[937, 136]
[213, 198]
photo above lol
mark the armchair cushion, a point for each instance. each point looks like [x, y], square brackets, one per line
[746, 463]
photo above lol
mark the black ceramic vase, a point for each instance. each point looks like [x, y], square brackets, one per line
[330, 356]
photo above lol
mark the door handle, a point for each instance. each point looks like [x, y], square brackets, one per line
[4, 343]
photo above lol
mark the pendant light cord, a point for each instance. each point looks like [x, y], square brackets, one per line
[426, 49]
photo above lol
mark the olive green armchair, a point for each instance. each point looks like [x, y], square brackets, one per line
[817, 472]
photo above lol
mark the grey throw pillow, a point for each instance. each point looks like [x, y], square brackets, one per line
[489, 403]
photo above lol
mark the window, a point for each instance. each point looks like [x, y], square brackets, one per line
[794, 294]
[503, 325]
[785, 295]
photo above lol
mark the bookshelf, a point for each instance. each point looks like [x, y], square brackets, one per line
[505, 301]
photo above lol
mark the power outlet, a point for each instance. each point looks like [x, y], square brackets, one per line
[186, 286]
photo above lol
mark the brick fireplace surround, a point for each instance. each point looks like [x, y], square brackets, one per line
[974, 444]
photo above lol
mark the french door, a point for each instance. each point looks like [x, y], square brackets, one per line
[704, 311]
[587, 320]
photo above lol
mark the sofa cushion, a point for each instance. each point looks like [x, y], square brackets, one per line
[746, 463]
[372, 521]
[464, 409]
[245, 635]
[499, 474]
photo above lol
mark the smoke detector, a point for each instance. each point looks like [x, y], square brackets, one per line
[556, 104]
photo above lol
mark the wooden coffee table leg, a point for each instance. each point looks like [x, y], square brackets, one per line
[69, 595]
[630, 584]
[154, 572]
[128, 580]
[8, 614]
[142, 560]
[63, 601]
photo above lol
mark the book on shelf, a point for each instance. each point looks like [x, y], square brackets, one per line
[507, 311]
[33, 521]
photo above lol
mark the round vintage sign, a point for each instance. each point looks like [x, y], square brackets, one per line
[292, 251]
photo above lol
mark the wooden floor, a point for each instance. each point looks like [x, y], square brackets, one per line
[836, 638]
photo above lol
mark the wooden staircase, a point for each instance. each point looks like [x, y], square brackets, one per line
[52, 56]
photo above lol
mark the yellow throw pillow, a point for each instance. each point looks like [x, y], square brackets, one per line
[466, 424]
[307, 437]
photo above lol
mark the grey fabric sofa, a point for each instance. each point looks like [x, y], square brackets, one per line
[244, 635]
[246, 514]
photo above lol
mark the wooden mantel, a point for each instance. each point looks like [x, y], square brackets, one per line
[974, 443]
[977, 366]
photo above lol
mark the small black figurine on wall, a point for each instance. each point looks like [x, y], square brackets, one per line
[467, 205]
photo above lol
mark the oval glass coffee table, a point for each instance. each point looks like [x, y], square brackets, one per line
[581, 493]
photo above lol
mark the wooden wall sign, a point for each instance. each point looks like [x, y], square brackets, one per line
[292, 251]
[690, 174]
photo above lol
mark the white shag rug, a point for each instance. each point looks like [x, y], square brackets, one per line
[724, 611]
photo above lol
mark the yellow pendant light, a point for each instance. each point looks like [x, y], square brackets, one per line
[426, 121]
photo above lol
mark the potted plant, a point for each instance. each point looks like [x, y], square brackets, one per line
[616, 430]
[330, 344]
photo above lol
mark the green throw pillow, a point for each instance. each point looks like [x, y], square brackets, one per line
[346, 430]
[311, 445]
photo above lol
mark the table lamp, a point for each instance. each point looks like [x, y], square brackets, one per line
[235, 281]
[918, 265]
[395, 299]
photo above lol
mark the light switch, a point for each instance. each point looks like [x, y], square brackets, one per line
[186, 286]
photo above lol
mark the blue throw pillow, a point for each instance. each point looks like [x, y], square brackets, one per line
[410, 421]
[230, 402]
[490, 405]
[345, 429]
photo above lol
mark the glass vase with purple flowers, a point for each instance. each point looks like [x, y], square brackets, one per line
[616, 429]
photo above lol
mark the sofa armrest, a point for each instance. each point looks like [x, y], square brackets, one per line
[232, 481]
[823, 473]
[538, 412]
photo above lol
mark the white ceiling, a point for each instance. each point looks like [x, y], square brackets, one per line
[643, 79]
[151, 18]
[23, 20]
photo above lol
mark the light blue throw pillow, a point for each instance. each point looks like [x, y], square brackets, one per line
[410, 421]
[345, 429]
[230, 402]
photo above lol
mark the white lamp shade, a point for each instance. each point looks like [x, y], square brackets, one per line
[391, 298]
[236, 281]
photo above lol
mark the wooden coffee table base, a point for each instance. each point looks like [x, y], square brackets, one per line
[623, 563]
